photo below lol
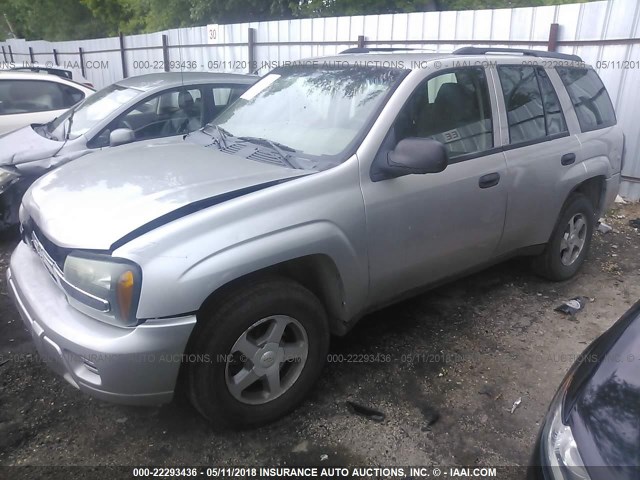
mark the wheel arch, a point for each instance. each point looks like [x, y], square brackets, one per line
[594, 189]
[316, 272]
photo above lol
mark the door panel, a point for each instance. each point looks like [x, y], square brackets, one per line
[540, 154]
[424, 228]
[538, 186]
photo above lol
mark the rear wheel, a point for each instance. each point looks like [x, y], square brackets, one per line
[570, 241]
[264, 345]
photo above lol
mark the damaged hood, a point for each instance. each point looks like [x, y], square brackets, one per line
[95, 201]
[25, 145]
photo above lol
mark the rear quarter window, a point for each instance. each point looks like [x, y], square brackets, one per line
[589, 97]
[29, 96]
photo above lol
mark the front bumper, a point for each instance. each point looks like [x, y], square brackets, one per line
[136, 366]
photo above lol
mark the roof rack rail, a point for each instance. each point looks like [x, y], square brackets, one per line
[371, 50]
[531, 53]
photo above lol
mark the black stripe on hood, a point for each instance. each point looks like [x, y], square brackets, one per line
[194, 207]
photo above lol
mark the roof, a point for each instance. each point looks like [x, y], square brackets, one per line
[390, 59]
[415, 59]
[163, 80]
[61, 72]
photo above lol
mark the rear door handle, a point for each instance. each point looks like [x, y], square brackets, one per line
[489, 180]
[568, 159]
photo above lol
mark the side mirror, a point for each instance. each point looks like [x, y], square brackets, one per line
[121, 136]
[415, 156]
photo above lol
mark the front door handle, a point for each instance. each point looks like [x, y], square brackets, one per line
[489, 180]
[568, 159]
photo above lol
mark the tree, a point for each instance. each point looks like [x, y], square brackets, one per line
[324, 8]
[77, 19]
[113, 14]
[51, 19]
[485, 4]
[233, 11]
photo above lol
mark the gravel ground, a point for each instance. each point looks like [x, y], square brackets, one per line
[450, 364]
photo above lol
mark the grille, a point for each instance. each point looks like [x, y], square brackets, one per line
[57, 254]
[234, 148]
[253, 153]
[268, 157]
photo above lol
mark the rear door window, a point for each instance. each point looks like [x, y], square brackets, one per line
[589, 97]
[554, 117]
[523, 101]
[533, 108]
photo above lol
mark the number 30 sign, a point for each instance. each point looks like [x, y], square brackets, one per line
[213, 33]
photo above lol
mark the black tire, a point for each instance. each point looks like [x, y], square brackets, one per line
[550, 264]
[227, 320]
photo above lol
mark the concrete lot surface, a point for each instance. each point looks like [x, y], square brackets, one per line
[446, 368]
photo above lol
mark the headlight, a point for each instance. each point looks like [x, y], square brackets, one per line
[559, 448]
[103, 287]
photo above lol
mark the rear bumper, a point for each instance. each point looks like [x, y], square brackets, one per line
[137, 366]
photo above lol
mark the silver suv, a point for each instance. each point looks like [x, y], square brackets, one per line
[332, 187]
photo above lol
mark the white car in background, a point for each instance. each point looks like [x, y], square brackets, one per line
[27, 98]
[58, 71]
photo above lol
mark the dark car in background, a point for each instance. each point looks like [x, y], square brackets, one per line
[592, 429]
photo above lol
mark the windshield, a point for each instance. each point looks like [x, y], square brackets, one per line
[314, 111]
[93, 110]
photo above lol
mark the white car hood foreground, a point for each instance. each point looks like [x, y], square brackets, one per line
[93, 202]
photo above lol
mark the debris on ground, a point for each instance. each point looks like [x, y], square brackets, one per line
[621, 200]
[121, 420]
[302, 447]
[604, 228]
[573, 306]
[430, 414]
[4, 361]
[635, 223]
[365, 411]
[324, 457]
[486, 390]
[516, 404]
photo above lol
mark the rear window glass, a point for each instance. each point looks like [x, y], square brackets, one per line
[28, 96]
[589, 97]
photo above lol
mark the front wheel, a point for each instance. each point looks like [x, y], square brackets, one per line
[569, 242]
[265, 345]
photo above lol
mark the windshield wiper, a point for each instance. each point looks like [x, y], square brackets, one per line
[221, 140]
[49, 125]
[279, 148]
[70, 120]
